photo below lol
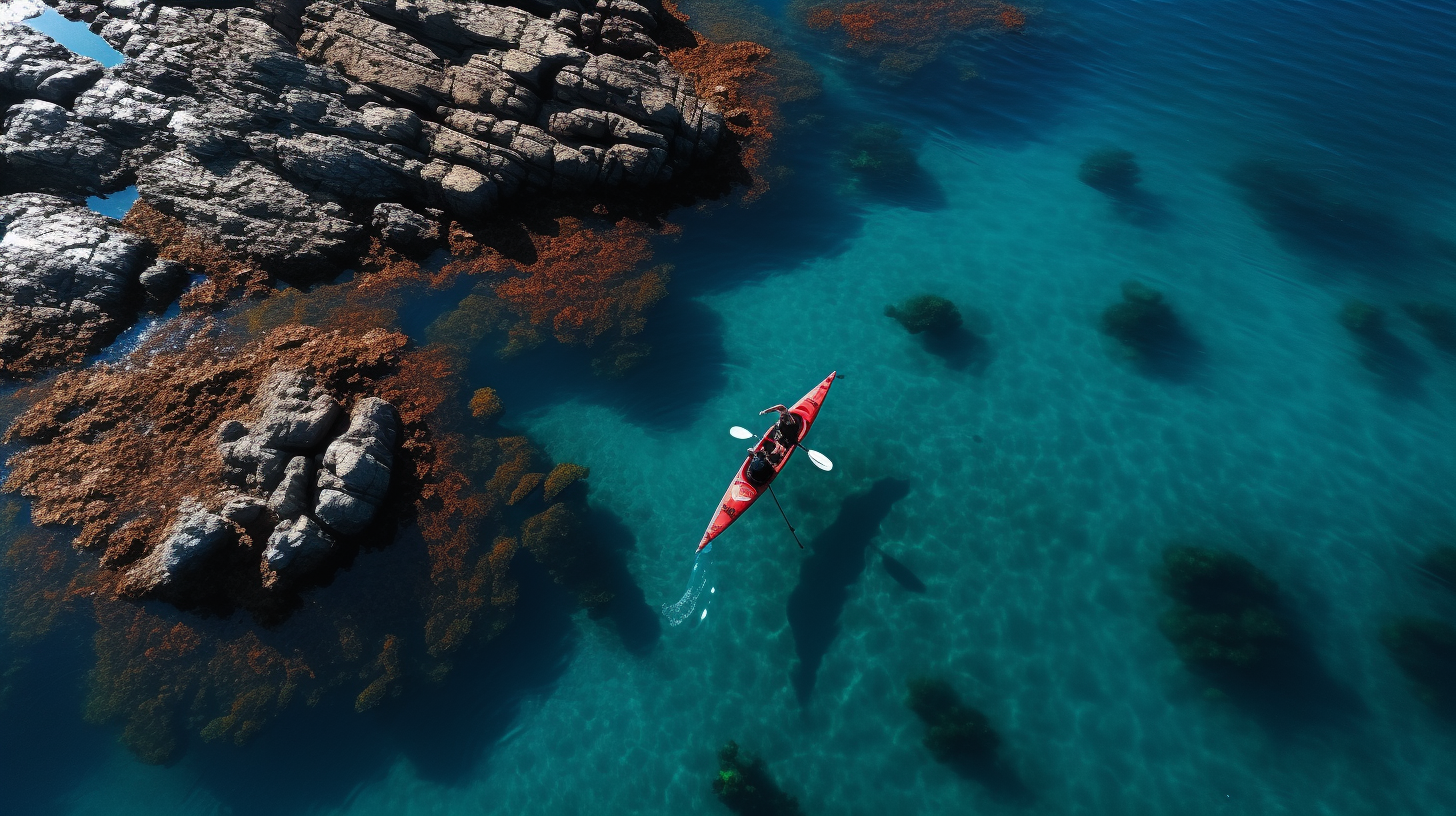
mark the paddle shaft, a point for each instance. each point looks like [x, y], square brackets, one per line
[785, 515]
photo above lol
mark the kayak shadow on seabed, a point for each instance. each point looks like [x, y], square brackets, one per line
[836, 560]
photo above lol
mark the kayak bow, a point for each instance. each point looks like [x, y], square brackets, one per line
[741, 492]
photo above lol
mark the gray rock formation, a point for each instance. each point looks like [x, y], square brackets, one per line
[68, 281]
[286, 465]
[400, 226]
[290, 497]
[297, 412]
[294, 549]
[265, 124]
[194, 535]
[355, 475]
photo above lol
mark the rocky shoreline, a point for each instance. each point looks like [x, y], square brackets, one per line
[289, 134]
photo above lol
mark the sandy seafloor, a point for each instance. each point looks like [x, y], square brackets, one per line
[1030, 479]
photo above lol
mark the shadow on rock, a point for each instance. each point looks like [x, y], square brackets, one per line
[445, 734]
[1398, 370]
[836, 560]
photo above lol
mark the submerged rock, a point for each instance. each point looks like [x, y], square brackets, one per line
[926, 313]
[295, 548]
[194, 536]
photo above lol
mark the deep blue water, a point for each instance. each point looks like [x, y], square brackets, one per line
[1293, 155]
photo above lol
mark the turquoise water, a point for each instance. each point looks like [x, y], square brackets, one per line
[75, 36]
[1029, 480]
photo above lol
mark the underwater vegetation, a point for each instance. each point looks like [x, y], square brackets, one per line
[485, 404]
[1396, 367]
[884, 166]
[1437, 321]
[1231, 629]
[926, 313]
[1114, 172]
[879, 149]
[1110, 170]
[1440, 564]
[1149, 332]
[1306, 213]
[903, 36]
[1225, 619]
[954, 732]
[1425, 650]
[141, 437]
[743, 785]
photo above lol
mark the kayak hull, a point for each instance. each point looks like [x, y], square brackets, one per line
[742, 493]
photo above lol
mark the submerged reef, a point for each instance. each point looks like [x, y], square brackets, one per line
[903, 36]
[1437, 321]
[228, 473]
[954, 732]
[931, 314]
[744, 785]
[878, 149]
[1225, 619]
[1398, 370]
[1148, 331]
[1110, 170]
[1440, 563]
[1425, 650]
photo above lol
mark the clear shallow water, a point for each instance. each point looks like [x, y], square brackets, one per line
[1035, 543]
[73, 35]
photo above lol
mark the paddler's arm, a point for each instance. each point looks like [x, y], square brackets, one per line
[780, 408]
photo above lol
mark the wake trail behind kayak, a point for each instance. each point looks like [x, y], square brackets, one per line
[683, 610]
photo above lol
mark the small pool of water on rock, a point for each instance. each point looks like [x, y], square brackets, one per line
[75, 36]
[116, 205]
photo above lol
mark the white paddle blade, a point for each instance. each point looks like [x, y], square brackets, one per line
[820, 460]
[738, 432]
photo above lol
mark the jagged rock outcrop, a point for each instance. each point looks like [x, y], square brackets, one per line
[275, 461]
[355, 475]
[68, 281]
[194, 536]
[266, 125]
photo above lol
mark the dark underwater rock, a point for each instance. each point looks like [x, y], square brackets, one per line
[1425, 649]
[926, 313]
[1438, 322]
[954, 732]
[1110, 170]
[1440, 563]
[744, 786]
[1141, 320]
[1362, 318]
[1225, 618]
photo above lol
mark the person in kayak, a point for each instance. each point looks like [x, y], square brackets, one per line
[765, 458]
[786, 430]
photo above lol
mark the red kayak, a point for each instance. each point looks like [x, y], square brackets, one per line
[741, 492]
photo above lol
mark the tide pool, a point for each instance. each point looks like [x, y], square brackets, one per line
[1026, 471]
